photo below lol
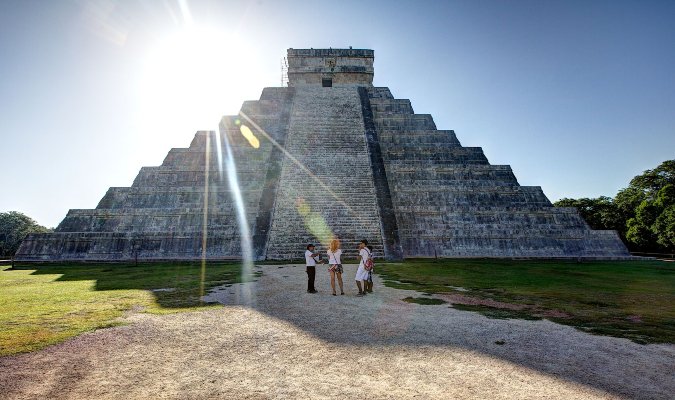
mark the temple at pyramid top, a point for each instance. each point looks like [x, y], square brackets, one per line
[330, 67]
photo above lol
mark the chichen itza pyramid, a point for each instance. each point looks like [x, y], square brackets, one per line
[327, 155]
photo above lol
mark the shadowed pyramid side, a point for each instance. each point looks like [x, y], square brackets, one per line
[163, 215]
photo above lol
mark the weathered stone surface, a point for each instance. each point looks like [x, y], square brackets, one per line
[342, 67]
[335, 156]
[451, 202]
[327, 186]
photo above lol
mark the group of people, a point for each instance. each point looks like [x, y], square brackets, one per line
[364, 274]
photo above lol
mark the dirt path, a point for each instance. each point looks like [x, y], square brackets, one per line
[273, 340]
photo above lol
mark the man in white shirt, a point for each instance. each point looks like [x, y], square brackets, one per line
[310, 262]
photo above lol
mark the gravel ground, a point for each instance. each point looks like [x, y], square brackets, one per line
[273, 340]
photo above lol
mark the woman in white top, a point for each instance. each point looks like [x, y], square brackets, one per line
[361, 273]
[335, 265]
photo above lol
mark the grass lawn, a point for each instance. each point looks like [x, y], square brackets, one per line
[42, 306]
[629, 299]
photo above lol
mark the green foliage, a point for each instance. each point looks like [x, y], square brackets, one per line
[640, 235]
[600, 213]
[653, 226]
[665, 226]
[652, 180]
[643, 213]
[14, 227]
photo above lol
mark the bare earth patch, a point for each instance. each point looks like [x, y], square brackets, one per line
[273, 340]
[474, 301]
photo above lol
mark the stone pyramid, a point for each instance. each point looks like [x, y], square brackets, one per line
[328, 156]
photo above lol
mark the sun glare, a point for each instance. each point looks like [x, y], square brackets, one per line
[192, 78]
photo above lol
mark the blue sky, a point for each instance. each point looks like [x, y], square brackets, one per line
[577, 96]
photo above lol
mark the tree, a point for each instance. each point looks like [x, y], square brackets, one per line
[14, 227]
[654, 221]
[665, 226]
[599, 213]
[643, 213]
[653, 180]
[652, 226]
[644, 187]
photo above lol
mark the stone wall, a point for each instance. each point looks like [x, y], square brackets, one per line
[343, 67]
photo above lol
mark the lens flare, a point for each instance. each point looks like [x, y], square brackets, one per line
[303, 207]
[248, 134]
[314, 222]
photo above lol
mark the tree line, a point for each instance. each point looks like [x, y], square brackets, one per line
[14, 227]
[643, 213]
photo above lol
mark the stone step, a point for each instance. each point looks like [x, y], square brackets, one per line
[418, 137]
[530, 246]
[430, 185]
[167, 220]
[435, 153]
[427, 178]
[405, 122]
[379, 93]
[442, 198]
[117, 246]
[297, 250]
[197, 159]
[459, 188]
[383, 106]
[487, 209]
[166, 177]
[400, 167]
[430, 163]
[173, 197]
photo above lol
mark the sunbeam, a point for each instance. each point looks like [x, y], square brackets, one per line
[205, 220]
[244, 231]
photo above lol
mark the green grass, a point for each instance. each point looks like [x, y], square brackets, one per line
[47, 305]
[628, 299]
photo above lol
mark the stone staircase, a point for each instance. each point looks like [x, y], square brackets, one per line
[326, 186]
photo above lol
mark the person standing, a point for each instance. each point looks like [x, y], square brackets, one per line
[310, 262]
[369, 282]
[335, 265]
[361, 273]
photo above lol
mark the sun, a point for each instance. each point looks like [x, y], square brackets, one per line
[193, 77]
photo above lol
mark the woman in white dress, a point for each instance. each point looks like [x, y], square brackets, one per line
[335, 264]
[361, 273]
